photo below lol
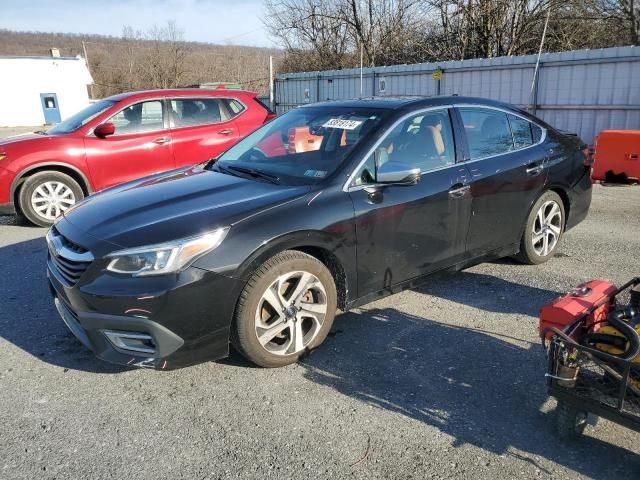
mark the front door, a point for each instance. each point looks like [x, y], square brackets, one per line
[50, 108]
[508, 172]
[140, 146]
[406, 231]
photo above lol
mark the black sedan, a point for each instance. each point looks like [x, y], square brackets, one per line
[329, 206]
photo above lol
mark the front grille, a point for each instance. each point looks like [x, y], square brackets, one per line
[69, 259]
[74, 247]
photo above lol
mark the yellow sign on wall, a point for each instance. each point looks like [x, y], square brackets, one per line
[437, 74]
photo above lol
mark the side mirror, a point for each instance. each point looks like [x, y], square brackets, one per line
[104, 130]
[397, 173]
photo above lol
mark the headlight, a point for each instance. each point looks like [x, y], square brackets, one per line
[164, 258]
[3, 155]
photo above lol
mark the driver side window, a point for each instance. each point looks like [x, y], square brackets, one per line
[424, 140]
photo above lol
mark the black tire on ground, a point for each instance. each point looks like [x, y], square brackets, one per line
[32, 183]
[243, 329]
[528, 252]
[570, 422]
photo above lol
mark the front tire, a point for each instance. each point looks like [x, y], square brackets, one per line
[570, 422]
[543, 230]
[285, 310]
[46, 195]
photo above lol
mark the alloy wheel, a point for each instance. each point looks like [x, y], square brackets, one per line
[52, 198]
[290, 313]
[547, 227]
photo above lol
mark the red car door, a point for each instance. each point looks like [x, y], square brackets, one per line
[141, 145]
[201, 128]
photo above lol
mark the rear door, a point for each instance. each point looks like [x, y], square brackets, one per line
[201, 128]
[508, 173]
[406, 231]
[140, 146]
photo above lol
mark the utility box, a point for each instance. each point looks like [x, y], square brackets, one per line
[617, 156]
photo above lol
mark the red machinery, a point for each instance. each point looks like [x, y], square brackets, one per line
[592, 336]
[563, 311]
[617, 156]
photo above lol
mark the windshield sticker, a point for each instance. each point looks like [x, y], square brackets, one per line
[343, 124]
[315, 173]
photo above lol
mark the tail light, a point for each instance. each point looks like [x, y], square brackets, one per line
[2, 155]
[270, 116]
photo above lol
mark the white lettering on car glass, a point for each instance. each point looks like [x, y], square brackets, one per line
[342, 124]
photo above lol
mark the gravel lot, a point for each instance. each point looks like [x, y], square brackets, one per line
[441, 382]
[11, 131]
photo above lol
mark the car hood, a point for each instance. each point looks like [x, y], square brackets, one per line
[176, 204]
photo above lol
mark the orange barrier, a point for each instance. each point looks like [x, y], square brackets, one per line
[617, 156]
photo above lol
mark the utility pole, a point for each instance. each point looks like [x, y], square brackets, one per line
[86, 60]
[534, 83]
[361, 67]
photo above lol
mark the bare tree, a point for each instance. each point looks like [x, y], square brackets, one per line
[320, 34]
[163, 64]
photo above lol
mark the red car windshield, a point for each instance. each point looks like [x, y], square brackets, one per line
[304, 145]
[81, 118]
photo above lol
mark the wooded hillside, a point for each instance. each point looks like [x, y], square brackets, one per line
[157, 58]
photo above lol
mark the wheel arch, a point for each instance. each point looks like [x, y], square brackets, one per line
[326, 248]
[564, 196]
[60, 167]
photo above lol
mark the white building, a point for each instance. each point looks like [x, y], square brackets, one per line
[42, 90]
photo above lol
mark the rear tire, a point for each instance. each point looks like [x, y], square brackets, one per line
[543, 231]
[46, 195]
[285, 310]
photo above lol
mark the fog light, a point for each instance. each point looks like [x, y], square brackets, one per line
[131, 341]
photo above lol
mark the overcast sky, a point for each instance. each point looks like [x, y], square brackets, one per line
[216, 21]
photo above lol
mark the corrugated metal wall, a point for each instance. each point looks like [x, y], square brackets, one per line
[583, 91]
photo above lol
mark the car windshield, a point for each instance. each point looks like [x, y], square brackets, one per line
[302, 146]
[81, 118]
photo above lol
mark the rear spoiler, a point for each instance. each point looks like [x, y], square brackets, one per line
[570, 134]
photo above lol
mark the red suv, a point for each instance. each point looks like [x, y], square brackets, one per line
[118, 139]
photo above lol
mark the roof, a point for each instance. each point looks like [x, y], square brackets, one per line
[181, 92]
[396, 103]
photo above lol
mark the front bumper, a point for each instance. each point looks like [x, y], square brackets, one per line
[187, 315]
[6, 204]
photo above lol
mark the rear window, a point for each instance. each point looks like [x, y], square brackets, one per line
[186, 112]
[488, 132]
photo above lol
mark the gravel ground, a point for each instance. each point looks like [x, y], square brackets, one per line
[440, 382]
[11, 131]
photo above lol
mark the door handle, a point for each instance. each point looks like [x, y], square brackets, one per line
[458, 191]
[534, 170]
[162, 140]
[226, 131]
